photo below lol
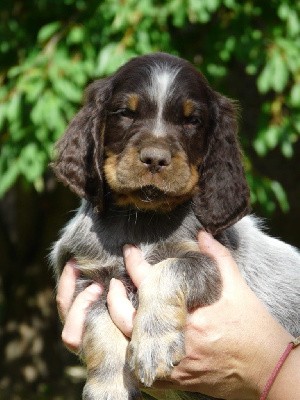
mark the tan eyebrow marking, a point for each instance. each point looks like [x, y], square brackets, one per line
[132, 101]
[188, 108]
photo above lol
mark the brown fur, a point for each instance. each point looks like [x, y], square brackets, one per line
[115, 126]
[154, 153]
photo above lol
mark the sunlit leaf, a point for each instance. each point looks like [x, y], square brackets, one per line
[8, 176]
[280, 73]
[49, 61]
[280, 195]
[47, 31]
[295, 95]
[68, 89]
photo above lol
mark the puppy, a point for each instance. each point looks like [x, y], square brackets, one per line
[154, 155]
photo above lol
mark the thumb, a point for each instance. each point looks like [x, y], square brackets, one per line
[137, 267]
[222, 256]
[210, 246]
[120, 308]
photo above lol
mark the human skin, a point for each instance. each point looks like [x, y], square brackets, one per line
[232, 346]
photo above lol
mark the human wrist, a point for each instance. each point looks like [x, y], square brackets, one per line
[266, 355]
[287, 383]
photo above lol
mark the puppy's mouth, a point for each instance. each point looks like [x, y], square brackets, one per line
[150, 198]
[150, 193]
[134, 184]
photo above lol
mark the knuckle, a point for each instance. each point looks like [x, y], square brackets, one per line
[110, 298]
[59, 300]
[127, 329]
[86, 298]
[70, 341]
[61, 306]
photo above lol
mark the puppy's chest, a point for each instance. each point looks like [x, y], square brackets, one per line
[158, 236]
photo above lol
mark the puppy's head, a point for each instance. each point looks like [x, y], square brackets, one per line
[157, 135]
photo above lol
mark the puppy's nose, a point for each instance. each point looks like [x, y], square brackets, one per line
[155, 158]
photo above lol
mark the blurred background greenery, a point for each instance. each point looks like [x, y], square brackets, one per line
[49, 51]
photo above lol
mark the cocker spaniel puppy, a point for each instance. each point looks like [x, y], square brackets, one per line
[154, 155]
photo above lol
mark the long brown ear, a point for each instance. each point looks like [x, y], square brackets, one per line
[224, 194]
[80, 151]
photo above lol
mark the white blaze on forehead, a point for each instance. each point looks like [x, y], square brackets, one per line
[161, 88]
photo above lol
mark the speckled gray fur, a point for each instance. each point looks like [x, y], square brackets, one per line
[270, 267]
[160, 104]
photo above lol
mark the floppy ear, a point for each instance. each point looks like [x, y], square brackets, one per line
[224, 194]
[80, 151]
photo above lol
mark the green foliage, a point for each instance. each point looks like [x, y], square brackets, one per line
[50, 49]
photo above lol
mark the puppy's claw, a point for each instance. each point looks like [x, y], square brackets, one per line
[155, 358]
[110, 390]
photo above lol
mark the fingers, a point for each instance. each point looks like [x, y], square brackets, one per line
[120, 308]
[66, 288]
[211, 246]
[230, 273]
[74, 313]
[75, 318]
[135, 263]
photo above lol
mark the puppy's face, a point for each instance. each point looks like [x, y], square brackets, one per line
[154, 140]
[157, 135]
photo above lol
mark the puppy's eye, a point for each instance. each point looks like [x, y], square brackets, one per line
[193, 120]
[124, 112]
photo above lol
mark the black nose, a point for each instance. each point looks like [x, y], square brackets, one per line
[155, 158]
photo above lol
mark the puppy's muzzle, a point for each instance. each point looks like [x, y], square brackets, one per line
[155, 158]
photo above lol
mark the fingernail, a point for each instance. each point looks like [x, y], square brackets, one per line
[94, 288]
[72, 263]
[112, 283]
[205, 238]
[127, 250]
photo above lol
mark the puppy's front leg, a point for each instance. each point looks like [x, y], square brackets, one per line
[104, 352]
[174, 286]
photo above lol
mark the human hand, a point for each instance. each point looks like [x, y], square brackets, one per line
[73, 311]
[231, 346]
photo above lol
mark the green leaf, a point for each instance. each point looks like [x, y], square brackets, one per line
[9, 176]
[287, 149]
[283, 10]
[17, 132]
[295, 95]
[37, 112]
[216, 70]
[280, 72]
[32, 162]
[251, 69]
[13, 107]
[264, 80]
[260, 146]
[296, 122]
[280, 195]
[112, 57]
[33, 87]
[41, 89]
[76, 35]
[47, 31]
[15, 71]
[68, 89]
[271, 136]
[293, 23]
[3, 107]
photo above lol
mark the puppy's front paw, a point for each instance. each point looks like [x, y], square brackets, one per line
[109, 390]
[157, 343]
[154, 350]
